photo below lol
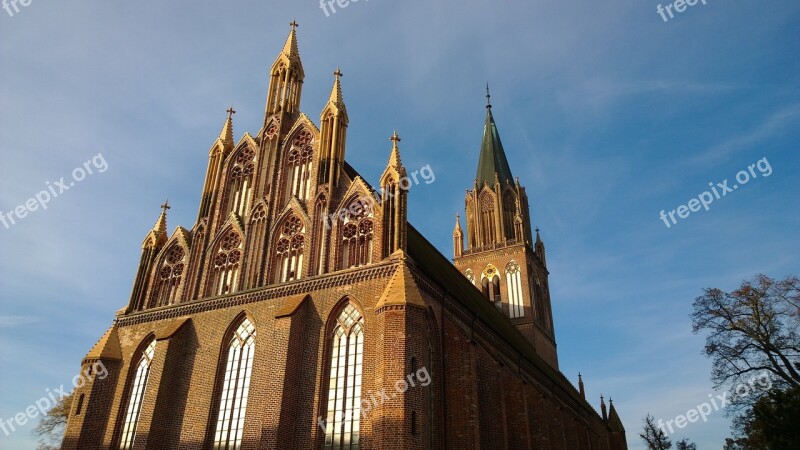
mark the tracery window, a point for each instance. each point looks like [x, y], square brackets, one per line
[488, 220]
[490, 283]
[357, 236]
[509, 212]
[342, 428]
[136, 396]
[168, 278]
[226, 264]
[514, 286]
[298, 166]
[235, 386]
[289, 250]
[242, 181]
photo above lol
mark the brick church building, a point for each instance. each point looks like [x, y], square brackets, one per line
[303, 311]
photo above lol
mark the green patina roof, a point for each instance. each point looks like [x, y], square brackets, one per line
[493, 157]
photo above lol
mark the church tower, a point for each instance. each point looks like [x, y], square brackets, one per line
[501, 258]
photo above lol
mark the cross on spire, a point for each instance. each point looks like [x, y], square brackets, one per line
[338, 73]
[293, 24]
[488, 96]
[230, 112]
[165, 207]
[395, 138]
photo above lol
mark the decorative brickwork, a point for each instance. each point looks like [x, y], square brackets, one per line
[289, 317]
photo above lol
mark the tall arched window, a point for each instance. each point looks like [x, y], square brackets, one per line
[509, 212]
[298, 166]
[514, 286]
[242, 182]
[344, 389]
[490, 282]
[488, 219]
[233, 397]
[136, 396]
[289, 250]
[168, 277]
[357, 235]
[225, 265]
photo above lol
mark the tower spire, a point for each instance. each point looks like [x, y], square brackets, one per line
[492, 164]
[226, 135]
[290, 47]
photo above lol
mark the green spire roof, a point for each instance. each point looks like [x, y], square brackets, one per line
[493, 157]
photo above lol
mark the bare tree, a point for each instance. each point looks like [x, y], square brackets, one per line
[653, 436]
[685, 444]
[751, 330]
[50, 429]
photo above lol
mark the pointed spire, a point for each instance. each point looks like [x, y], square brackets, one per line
[458, 222]
[603, 408]
[492, 164]
[394, 157]
[538, 238]
[161, 223]
[580, 386]
[290, 47]
[226, 135]
[336, 92]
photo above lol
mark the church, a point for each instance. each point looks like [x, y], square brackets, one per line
[294, 314]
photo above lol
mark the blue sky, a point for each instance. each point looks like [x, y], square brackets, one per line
[607, 113]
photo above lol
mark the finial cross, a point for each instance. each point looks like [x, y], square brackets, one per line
[230, 111]
[488, 97]
[395, 138]
[338, 73]
[293, 24]
[165, 206]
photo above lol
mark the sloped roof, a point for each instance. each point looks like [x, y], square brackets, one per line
[107, 347]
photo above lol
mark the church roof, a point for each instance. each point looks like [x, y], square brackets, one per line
[493, 157]
[440, 270]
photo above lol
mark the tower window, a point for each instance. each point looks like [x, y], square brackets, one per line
[514, 285]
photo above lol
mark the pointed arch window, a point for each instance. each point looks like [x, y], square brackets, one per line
[298, 166]
[514, 286]
[320, 238]
[226, 264]
[488, 220]
[509, 212]
[342, 428]
[168, 277]
[242, 181]
[289, 250]
[235, 386]
[136, 396]
[357, 235]
[490, 283]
